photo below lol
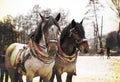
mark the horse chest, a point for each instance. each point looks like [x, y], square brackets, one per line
[38, 68]
[65, 67]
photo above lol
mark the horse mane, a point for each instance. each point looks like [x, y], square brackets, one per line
[50, 22]
[65, 33]
[80, 29]
[37, 34]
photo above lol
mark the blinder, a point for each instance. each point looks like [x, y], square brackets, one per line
[71, 32]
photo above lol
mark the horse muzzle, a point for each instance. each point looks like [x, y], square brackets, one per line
[83, 46]
[52, 47]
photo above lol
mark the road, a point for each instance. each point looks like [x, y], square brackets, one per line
[98, 69]
[95, 69]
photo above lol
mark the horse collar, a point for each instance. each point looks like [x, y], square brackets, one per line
[65, 58]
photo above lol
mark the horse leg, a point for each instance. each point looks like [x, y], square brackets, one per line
[69, 77]
[17, 77]
[58, 76]
[20, 77]
[6, 75]
[13, 75]
[108, 53]
[2, 75]
[45, 80]
[29, 76]
[41, 79]
[29, 79]
[52, 77]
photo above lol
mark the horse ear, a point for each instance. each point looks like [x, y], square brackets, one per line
[73, 23]
[81, 21]
[58, 17]
[43, 18]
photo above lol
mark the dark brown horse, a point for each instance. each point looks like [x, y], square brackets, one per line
[33, 59]
[7, 36]
[72, 39]
[112, 41]
[3, 70]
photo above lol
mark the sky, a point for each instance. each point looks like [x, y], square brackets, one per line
[76, 9]
[15, 7]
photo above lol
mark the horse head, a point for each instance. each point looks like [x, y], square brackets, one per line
[50, 29]
[78, 33]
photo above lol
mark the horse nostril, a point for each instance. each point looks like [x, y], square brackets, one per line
[85, 51]
[53, 47]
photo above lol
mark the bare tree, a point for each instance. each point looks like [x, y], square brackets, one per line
[117, 5]
[93, 15]
[25, 24]
[63, 20]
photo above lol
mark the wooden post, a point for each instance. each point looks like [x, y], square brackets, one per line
[101, 45]
[96, 25]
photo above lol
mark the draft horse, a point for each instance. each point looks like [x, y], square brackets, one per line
[37, 58]
[112, 41]
[72, 39]
[3, 70]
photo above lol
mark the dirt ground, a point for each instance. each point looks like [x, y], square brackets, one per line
[95, 69]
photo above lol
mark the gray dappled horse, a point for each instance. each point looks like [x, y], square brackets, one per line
[33, 59]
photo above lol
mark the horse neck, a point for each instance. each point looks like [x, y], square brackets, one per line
[68, 46]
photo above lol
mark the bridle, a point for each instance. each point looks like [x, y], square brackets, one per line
[50, 40]
[77, 42]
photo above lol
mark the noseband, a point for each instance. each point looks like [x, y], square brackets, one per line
[52, 41]
[81, 41]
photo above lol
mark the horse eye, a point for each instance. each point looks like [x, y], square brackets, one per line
[75, 32]
[52, 29]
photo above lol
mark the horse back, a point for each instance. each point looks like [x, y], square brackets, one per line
[111, 40]
[11, 54]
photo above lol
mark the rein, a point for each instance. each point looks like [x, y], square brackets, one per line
[37, 52]
[80, 42]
